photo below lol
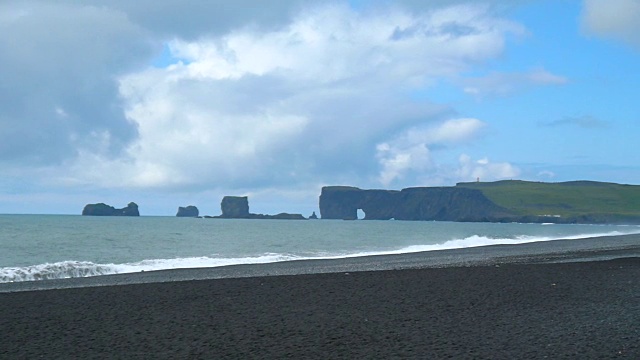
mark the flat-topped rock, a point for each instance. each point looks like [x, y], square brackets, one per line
[237, 207]
[189, 211]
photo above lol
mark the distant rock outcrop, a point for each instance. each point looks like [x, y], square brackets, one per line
[102, 209]
[189, 211]
[313, 216]
[237, 207]
[280, 216]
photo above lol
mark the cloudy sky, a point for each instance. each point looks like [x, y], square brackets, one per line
[170, 102]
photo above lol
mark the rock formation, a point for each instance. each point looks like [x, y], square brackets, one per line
[313, 216]
[237, 207]
[574, 202]
[280, 216]
[425, 203]
[102, 209]
[189, 211]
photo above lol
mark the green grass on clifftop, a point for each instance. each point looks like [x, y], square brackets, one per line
[565, 199]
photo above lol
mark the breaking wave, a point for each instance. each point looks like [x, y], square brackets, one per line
[74, 269]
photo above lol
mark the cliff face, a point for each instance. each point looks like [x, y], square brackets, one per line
[237, 207]
[189, 211]
[427, 203]
[102, 209]
[343, 202]
[447, 204]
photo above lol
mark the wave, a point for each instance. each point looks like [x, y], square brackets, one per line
[476, 241]
[59, 270]
[74, 269]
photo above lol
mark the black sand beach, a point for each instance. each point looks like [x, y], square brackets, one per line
[529, 308]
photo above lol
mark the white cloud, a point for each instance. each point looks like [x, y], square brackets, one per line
[585, 122]
[60, 112]
[546, 174]
[410, 153]
[484, 170]
[306, 102]
[453, 131]
[497, 83]
[190, 19]
[333, 43]
[617, 19]
[58, 84]
[396, 162]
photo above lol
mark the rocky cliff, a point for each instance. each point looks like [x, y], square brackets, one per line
[237, 207]
[574, 202]
[102, 209]
[189, 211]
[423, 203]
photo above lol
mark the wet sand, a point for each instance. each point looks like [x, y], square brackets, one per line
[526, 305]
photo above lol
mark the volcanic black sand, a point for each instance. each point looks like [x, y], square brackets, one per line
[576, 310]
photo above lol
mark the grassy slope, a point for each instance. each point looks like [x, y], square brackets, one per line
[565, 199]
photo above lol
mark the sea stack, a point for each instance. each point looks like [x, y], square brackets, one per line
[189, 211]
[102, 209]
[235, 207]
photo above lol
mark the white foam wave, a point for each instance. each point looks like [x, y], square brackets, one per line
[59, 270]
[200, 262]
[72, 269]
[476, 241]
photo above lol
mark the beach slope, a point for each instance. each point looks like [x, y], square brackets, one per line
[588, 309]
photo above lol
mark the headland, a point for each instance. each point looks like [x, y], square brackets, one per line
[574, 202]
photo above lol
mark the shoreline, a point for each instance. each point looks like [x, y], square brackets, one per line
[556, 299]
[583, 310]
[552, 251]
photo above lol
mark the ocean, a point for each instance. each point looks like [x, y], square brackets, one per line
[39, 247]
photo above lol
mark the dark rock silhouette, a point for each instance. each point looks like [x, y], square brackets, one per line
[189, 211]
[502, 201]
[280, 216]
[426, 203]
[102, 209]
[237, 207]
[313, 216]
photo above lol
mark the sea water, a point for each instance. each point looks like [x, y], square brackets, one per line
[37, 247]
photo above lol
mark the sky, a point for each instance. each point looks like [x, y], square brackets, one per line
[172, 103]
